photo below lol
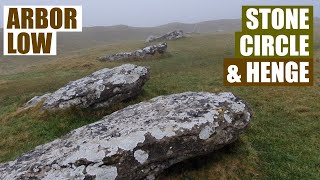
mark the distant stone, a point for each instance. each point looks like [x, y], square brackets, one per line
[100, 89]
[138, 142]
[167, 37]
[36, 100]
[138, 54]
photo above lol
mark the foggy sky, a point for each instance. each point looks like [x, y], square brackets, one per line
[158, 12]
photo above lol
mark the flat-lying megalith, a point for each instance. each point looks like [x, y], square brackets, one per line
[138, 54]
[100, 89]
[139, 141]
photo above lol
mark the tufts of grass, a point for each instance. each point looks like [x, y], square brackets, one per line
[222, 164]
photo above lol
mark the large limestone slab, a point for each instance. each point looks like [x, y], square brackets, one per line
[100, 89]
[139, 141]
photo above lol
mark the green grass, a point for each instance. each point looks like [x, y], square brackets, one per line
[282, 142]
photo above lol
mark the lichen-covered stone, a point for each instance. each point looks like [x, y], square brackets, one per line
[100, 89]
[138, 54]
[173, 35]
[36, 100]
[139, 141]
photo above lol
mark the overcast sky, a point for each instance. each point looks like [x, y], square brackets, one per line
[158, 12]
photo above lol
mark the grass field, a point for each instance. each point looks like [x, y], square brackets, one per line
[281, 143]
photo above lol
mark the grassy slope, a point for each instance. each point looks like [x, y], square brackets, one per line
[97, 36]
[282, 142]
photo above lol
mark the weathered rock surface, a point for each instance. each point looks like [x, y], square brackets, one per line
[139, 141]
[138, 54]
[167, 37]
[100, 89]
[36, 100]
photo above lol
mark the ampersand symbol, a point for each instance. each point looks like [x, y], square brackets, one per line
[233, 74]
